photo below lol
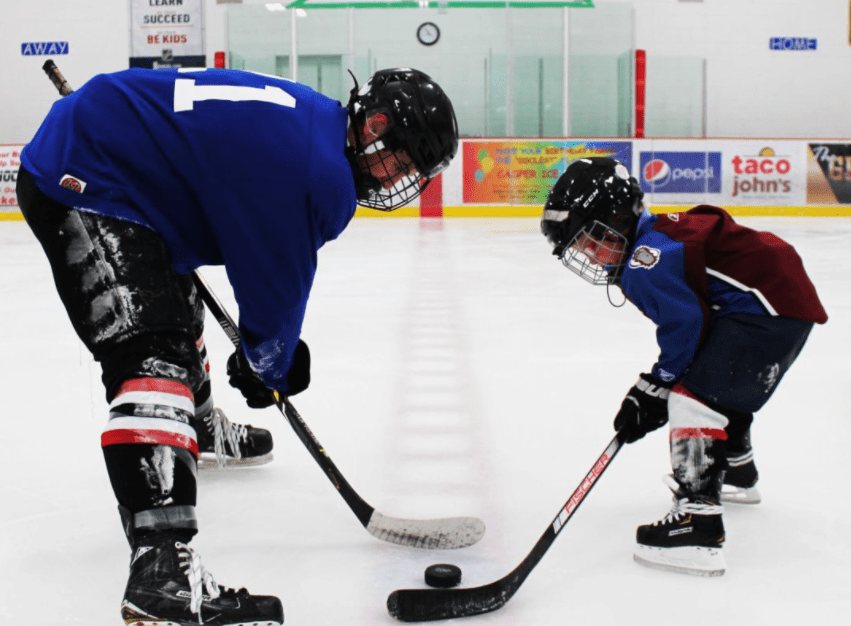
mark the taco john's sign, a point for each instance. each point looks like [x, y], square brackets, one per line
[763, 174]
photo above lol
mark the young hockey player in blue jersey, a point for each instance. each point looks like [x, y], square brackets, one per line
[733, 308]
[141, 176]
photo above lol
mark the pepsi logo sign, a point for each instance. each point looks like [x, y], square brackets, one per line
[657, 171]
[680, 172]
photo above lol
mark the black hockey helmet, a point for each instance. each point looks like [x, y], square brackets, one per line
[595, 200]
[422, 124]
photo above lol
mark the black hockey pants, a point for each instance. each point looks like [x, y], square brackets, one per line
[140, 320]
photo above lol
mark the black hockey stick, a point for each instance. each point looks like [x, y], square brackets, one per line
[57, 78]
[425, 605]
[442, 533]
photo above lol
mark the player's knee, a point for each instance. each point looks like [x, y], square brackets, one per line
[688, 412]
[167, 356]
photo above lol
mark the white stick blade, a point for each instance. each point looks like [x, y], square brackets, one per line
[431, 534]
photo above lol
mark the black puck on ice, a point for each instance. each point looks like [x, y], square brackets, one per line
[442, 575]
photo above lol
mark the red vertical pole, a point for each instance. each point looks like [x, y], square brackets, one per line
[219, 59]
[640, 91]
[431, 200]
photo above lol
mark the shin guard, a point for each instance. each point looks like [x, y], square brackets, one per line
[151, 453]
[698, 444]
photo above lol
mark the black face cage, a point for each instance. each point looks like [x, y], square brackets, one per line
[610, 244]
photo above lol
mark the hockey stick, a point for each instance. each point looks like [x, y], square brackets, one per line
[441, 533]
[57, 78]
[452, 532]
[425, 605]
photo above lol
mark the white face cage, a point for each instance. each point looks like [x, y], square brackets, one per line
[596, 254]
[403, 191]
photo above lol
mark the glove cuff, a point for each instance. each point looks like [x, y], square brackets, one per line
[653, 387]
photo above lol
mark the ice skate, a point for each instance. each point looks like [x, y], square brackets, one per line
[222, 443]
[740, 480]
[168, 586]
[688, 540]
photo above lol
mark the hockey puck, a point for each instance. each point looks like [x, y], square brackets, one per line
[442, 575]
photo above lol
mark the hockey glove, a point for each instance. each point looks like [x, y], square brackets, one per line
[243, 377]
[257, 395]
[644, 409]
[298, 378]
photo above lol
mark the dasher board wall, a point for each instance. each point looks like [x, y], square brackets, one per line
[751, 89]
[511, 177]
[498, 177]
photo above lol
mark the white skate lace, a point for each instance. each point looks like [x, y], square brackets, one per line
[199, 578]
[226, 432]
[684, 506]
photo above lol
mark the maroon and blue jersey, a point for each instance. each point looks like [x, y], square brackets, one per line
[231, 168]
[685, 268]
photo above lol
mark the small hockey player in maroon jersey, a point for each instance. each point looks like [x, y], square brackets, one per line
[733, 308]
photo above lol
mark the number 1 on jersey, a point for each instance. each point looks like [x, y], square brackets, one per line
[187, 93]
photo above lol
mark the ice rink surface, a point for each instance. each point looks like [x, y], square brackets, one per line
[458, 369]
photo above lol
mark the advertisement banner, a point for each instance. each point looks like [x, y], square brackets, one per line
[522, 172]
[167, 33]
[766, 173]
[829, 173]
[763, 172]
[10, 161]
[680, 172]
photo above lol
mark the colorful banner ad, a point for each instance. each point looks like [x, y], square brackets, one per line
[167, 33]
[829, 173]
[522, 172]
[10, 161]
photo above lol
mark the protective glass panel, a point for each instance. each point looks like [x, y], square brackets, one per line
[600, 41]
[675, 96]
[501, 80]
[258, 38]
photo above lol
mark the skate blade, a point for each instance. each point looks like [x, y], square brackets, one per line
[740, 495]
[693, 560]
[207, 461]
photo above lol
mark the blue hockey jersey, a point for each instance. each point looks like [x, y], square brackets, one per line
[231, 168]
[684, 268]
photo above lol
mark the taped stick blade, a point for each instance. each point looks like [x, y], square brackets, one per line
[431, 534]
[427, 605]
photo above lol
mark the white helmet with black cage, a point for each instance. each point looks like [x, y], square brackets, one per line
[590, 218]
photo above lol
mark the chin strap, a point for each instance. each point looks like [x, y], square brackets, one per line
[609, 295]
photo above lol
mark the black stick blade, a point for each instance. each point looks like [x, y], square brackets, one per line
[427, 605]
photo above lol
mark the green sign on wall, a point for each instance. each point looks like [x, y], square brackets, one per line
[439, 4]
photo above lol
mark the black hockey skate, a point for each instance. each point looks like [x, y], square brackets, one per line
[740, 480]
[221, 443]
[688, 540]
[169, 586]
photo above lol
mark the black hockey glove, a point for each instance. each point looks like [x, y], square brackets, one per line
[298, 378]
[644, 409]
[241, 376]
[257, 395]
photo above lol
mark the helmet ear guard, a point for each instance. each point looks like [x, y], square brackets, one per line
[421, 124]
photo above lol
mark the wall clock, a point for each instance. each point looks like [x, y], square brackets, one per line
[428, 33]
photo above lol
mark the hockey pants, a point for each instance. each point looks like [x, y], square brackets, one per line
[140, 320]
[736, 371]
